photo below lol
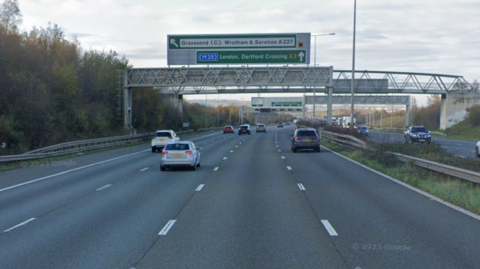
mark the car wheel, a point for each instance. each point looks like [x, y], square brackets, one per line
[317, 149]
[477, 152]
[405, 140]
[198, 165]
[153, 150]
[162, 168]
[294, 150]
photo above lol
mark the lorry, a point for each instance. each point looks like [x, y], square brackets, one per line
[345, 121]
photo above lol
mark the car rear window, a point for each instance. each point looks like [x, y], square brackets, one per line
[163, 134]
[306, 133]
[244, 127]
[177, 147]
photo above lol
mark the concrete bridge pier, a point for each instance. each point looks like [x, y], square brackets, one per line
[454, 107]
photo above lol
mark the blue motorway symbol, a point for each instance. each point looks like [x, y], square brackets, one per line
[208, 57]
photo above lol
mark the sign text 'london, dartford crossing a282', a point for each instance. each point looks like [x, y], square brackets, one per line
[279, 48]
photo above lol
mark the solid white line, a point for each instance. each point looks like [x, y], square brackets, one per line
[19, 225]
[300, 186]
[329, 228]
[216, 169]
[224, 158]
[289, 168]
[200, 187]
[104, 187]
[399, 182]
[167, 227]
[144, 169]
[69, 171]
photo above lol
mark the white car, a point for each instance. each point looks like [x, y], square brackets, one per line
[162, 138]
[477, 149]
[180, 154]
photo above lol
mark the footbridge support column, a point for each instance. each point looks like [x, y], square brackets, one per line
[454, 107]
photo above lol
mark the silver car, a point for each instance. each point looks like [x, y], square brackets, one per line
[180, 154]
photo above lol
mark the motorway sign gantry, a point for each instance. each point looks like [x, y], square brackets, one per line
[239, 49]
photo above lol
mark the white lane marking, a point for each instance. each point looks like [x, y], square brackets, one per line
[300, 186]
[236, 146]
[283, 157]
[86, 166]
[167, 227]
[144, 169]
[216, 169]
[276, 146]
[426, 194]
[104, 187]
[224, 158]
[279, 150]
[200, 187]
[69, 171]
[240, 143]
[329, 228]
[231, 150]
[19, 225]
[289, 168]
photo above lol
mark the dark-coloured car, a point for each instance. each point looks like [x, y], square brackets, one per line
[228, 129]
[305, 138]
[417, 134]
[363, 130]
[280, 125]
[244, 129]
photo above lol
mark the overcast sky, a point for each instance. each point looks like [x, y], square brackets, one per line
[431, 36]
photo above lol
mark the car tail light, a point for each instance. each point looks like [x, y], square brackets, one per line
[316, 138]
[164, 153]
[297, 138]
[170, 137]
[189, 152]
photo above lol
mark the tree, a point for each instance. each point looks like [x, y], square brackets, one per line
[10, 15]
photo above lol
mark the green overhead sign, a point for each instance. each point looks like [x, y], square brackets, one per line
[263, 41]
[251, 57]
[278, 48]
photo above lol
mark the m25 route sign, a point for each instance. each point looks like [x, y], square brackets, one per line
[239, 49]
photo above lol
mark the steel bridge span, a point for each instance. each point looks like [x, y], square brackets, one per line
[280, 79]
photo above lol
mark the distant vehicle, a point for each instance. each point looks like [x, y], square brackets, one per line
[162, 138]
[244, 129]
[261, 128]
[417, 134]
[280, 125]
[363, 130]
[477, 149]
[180, 154]
[305, 138]
[228, 129]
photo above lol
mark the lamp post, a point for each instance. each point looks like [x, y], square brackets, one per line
[315, 64]
[353, 64]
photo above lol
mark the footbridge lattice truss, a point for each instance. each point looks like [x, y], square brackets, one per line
[286, 79]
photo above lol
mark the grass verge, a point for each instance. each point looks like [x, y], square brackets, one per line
[461, 193]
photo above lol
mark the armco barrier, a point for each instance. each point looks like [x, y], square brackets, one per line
[77, 146]
[434, 166]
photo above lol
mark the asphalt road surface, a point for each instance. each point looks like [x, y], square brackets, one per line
[252, 204]
[461, 148]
